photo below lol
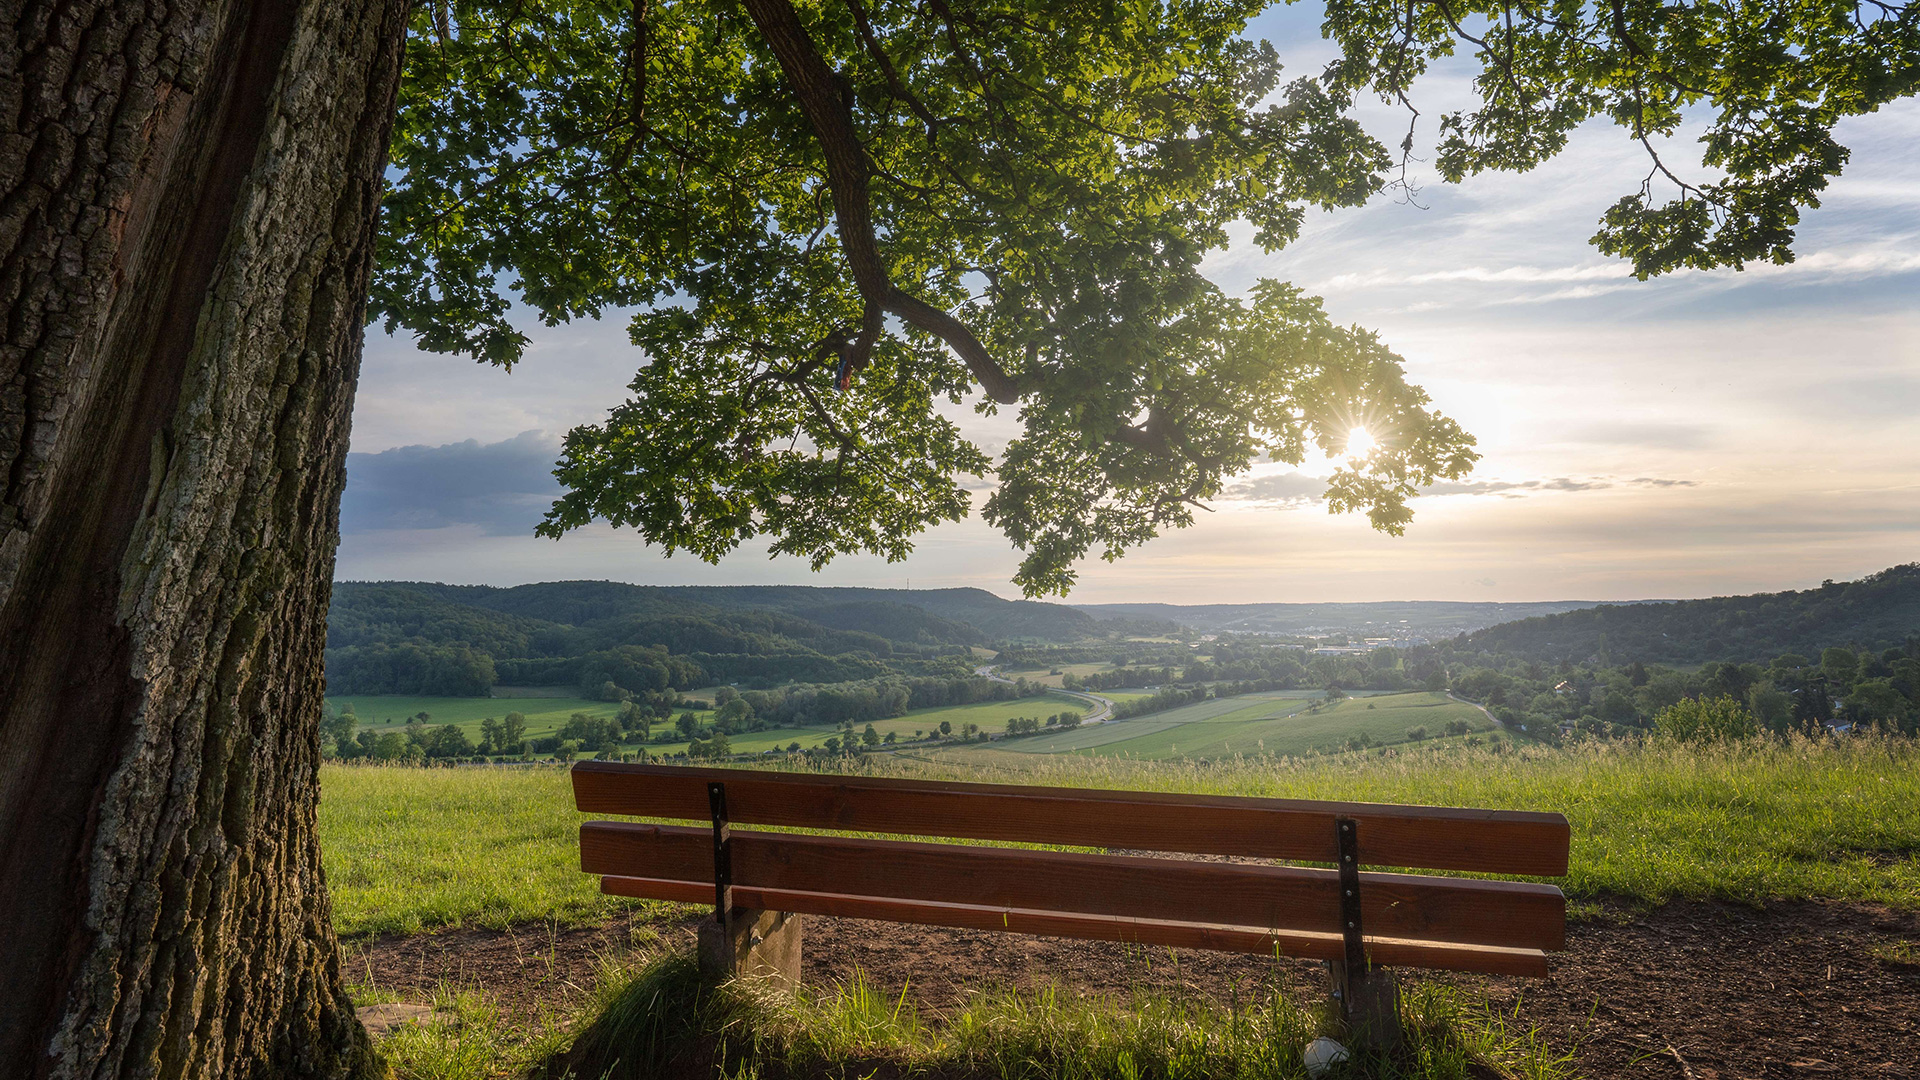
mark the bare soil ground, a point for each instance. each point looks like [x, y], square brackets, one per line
[1689, 991]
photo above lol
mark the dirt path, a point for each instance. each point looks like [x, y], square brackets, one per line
[1691, 991]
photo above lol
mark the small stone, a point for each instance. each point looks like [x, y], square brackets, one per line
[380, 1020]
[1323, 1054]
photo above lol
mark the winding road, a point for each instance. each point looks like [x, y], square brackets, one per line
[1102, 707]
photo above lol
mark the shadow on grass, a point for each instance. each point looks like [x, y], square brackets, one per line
[662, 1021]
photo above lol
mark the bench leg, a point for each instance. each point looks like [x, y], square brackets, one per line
[762, 944]
[1369, 1003]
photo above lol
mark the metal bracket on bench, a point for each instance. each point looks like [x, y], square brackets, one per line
[1347, 837]
[722, 858]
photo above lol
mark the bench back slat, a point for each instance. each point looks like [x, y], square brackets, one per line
[1427, 837]
[1298, 943]
[1463, 910]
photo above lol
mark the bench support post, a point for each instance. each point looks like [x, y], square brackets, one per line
[1368, 997]
[722, 857]
[742, 941]
[755, 944]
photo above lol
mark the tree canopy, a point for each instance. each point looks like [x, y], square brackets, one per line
[836, 221]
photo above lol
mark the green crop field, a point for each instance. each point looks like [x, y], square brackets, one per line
[1045, 675]
[1282, 722]
[544, 714]
[990, 716]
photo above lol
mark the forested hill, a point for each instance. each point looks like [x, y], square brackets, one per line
[1879, 611]
[1428, 618]
[426, 638]
[970, 616]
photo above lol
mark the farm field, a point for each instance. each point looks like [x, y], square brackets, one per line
[1045, 674]
[544, 714]
[990, 716]
[380, 712]
[1271, 723]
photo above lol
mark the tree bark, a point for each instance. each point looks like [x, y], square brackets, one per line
[187, 198]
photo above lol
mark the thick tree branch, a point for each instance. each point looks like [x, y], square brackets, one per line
[895, 84]
[813, 83]
[637, 76]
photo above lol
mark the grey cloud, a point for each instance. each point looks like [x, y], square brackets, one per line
[1280, 489]
[1513, 489]
[504, 487]
[1295, 489]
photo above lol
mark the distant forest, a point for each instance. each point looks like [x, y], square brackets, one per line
[1877, 612]
[597, 636]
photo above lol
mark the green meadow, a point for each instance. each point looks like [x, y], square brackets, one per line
[1282, 722]
[1046, 675]
[989, 716]
[544, 714]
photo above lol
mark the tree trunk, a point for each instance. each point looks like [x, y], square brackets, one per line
[187, 197]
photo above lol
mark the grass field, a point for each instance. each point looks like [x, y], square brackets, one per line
[544, 714]
[990, 716]
[406, 849]
[412, 848]
[1045, 674]
[1272, 723]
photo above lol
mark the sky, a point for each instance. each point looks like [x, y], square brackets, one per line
[1707, 433]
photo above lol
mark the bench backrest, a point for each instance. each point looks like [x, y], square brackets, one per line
[1451, 922]
[1422, 837]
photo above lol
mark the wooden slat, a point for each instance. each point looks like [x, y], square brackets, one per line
[1308, 946]
[1429, 837]
[1460, 910]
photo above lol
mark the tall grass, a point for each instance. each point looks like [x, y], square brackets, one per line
[1748, 821]
[661, 1021]
[406, 849]
[1839, 819]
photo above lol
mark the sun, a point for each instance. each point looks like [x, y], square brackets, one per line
[1360, 442]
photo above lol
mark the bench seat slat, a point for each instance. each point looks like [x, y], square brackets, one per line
[1301, 944]
[1456, 910]
[1427, 837]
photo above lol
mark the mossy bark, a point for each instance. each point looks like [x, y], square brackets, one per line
[187, 200]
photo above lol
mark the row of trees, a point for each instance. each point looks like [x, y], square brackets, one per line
[429, 670]
[1027, 725]
[419, 741]
[1167, 697]
[1840, 686]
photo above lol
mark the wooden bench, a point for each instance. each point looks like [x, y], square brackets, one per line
[1359, 921]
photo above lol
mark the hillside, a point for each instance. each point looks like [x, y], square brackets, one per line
[1876, 612]
[1425, 618]
[427, 638]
